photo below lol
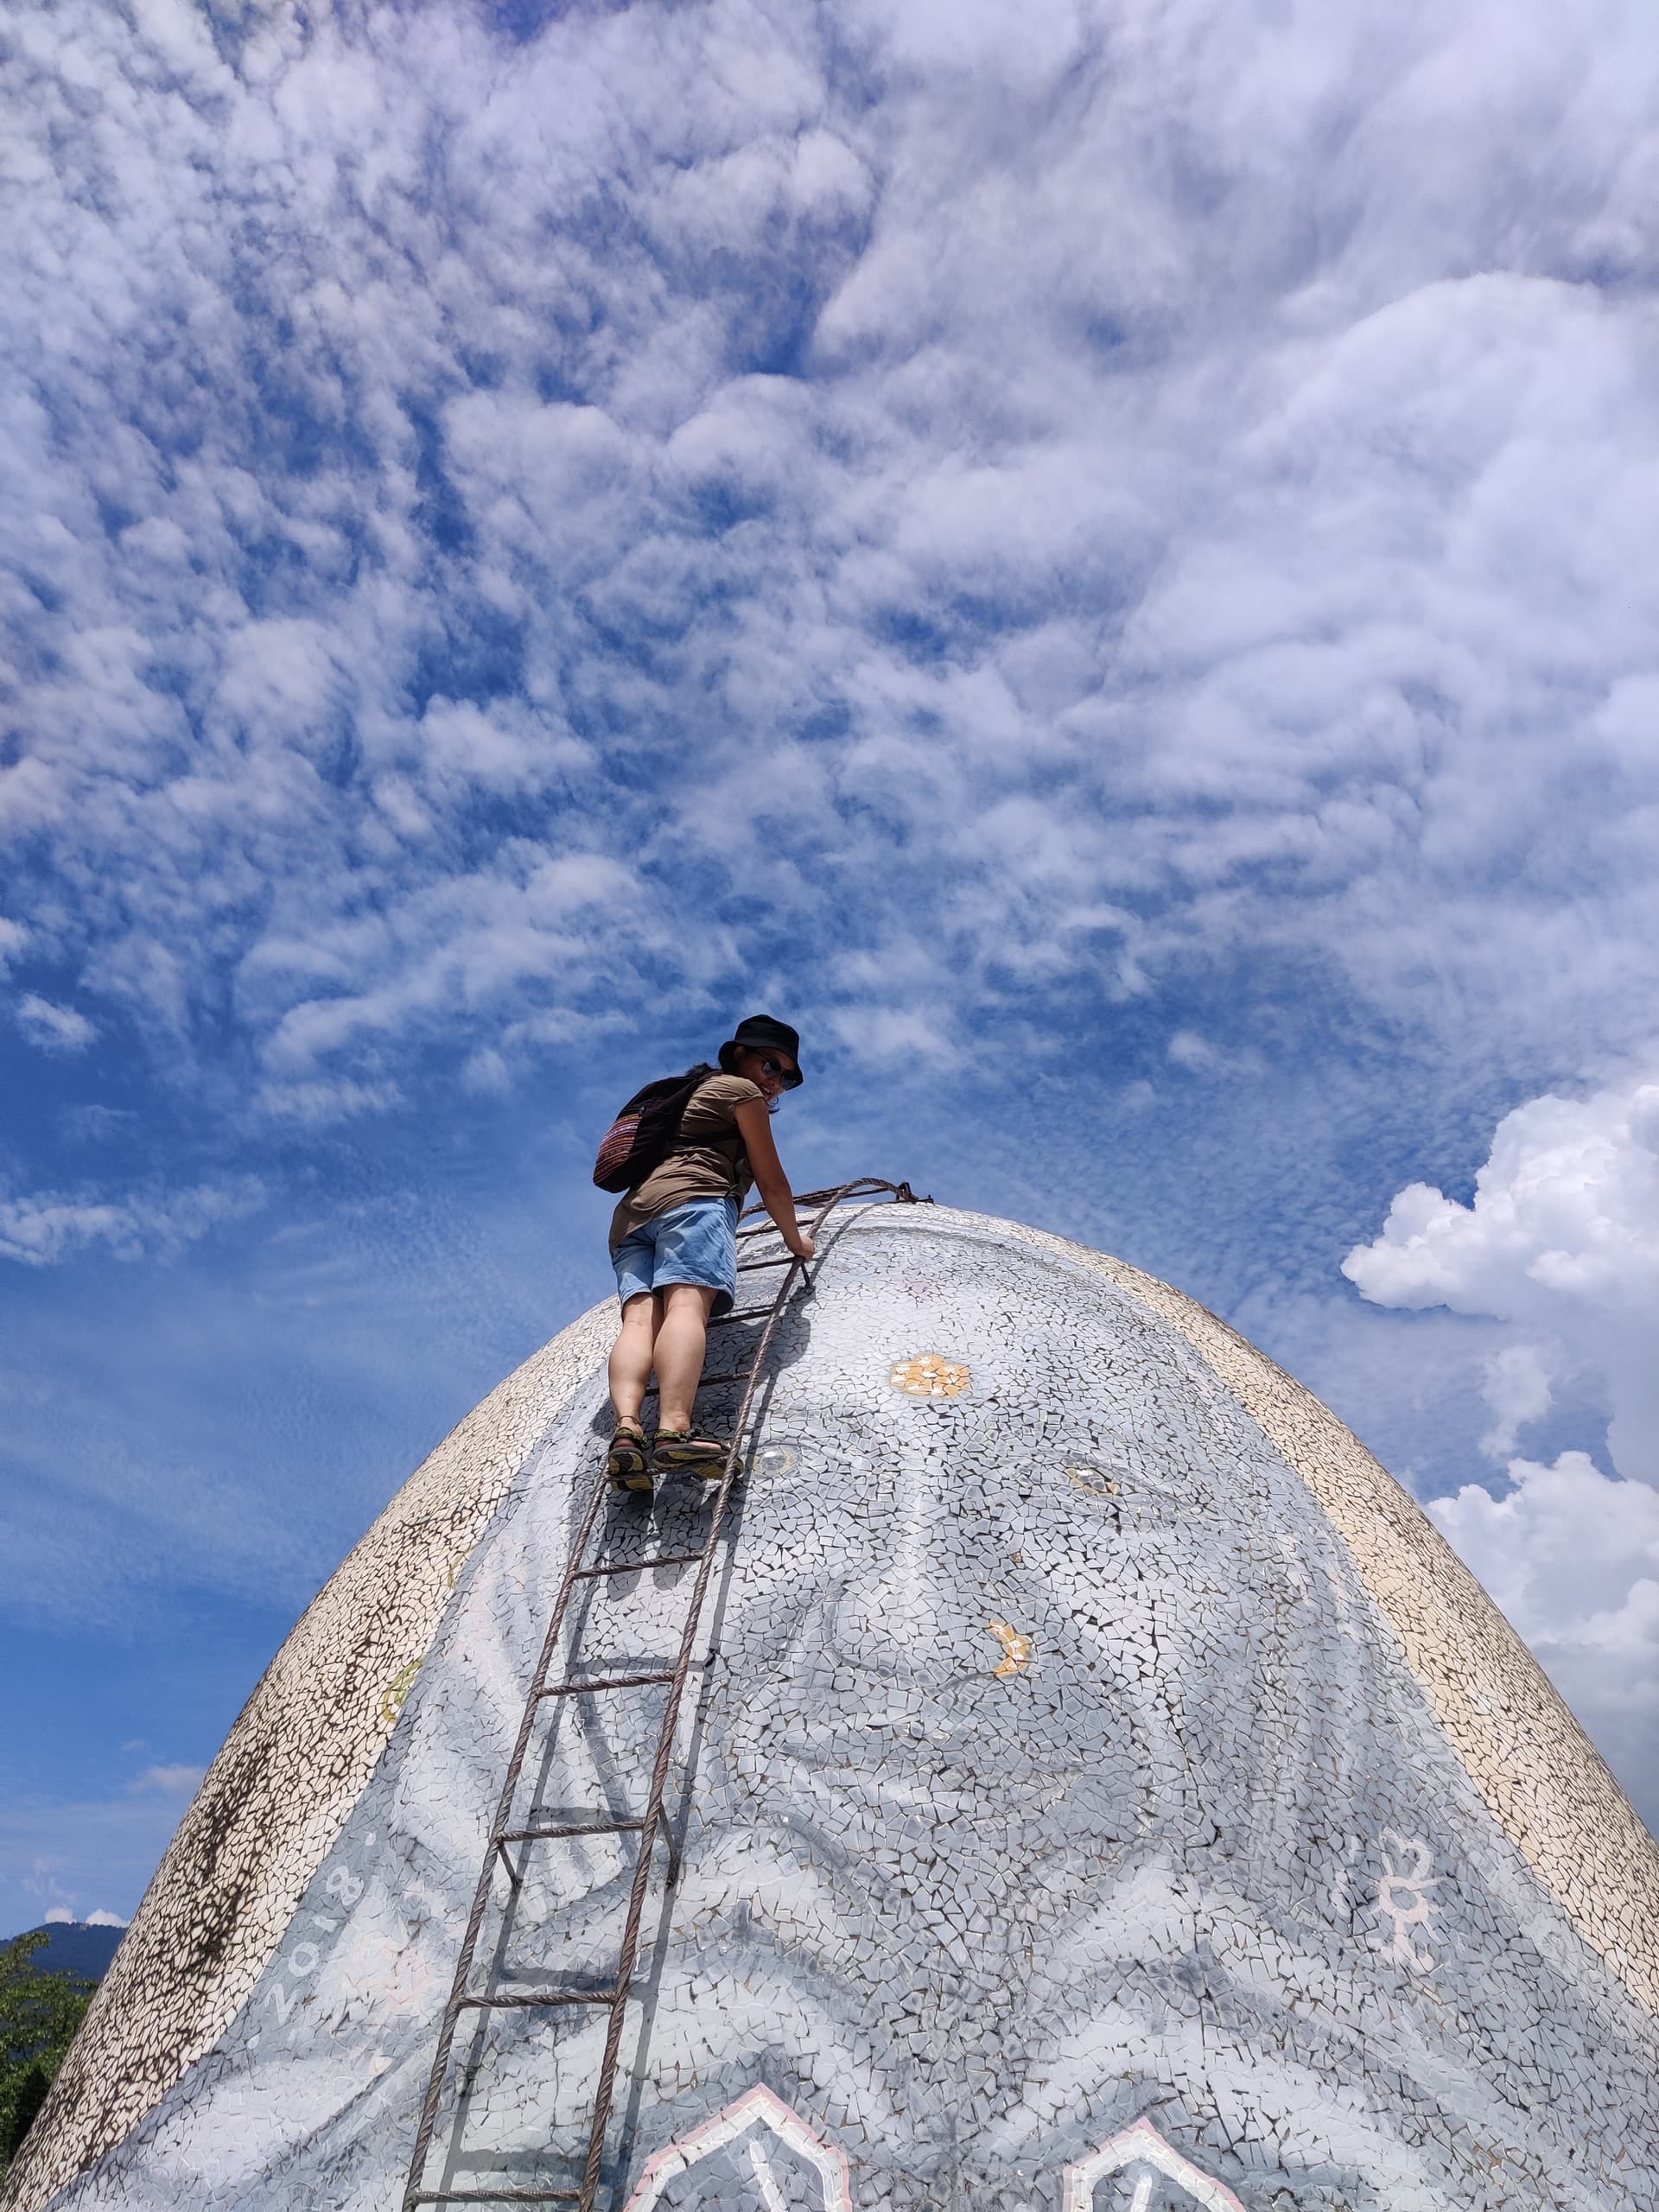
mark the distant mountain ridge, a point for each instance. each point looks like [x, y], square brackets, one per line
[73, 1947]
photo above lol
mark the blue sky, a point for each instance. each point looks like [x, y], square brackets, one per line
[1098, 560]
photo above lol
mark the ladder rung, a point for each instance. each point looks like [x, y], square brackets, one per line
[590, 1828]
[605, 1683]
[749, 1267]
[494, 2196]
[709, 1382]
[635, 1565]
[749, 1313]
[564, 1996]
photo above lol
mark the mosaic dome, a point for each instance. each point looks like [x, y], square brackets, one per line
[1107, 1790]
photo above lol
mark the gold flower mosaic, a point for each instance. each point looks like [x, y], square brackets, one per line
[927, 1376]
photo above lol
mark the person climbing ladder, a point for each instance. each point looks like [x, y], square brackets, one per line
[685, 1152]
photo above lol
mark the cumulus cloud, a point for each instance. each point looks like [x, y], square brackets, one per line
[60, 1916]
[1517, 1386]
[40, 1228]
[1562, 1241]
[55, 1855]
[1571, 1556]
[1101, 493]
[57, 1029]
[168, 1781]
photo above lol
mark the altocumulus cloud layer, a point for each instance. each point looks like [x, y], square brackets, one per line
[1137, 486]
[991, 527]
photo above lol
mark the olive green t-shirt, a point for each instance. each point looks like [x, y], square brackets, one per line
[708, 1160]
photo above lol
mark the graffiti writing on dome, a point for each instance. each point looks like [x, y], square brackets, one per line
[1138, 2172]
[300, 1961]
[1403, 1899]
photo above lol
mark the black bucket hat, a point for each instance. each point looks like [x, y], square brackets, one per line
[758, 1032]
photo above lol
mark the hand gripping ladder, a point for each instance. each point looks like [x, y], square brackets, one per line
[554, 1679]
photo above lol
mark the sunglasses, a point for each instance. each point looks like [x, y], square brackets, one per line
[792, 1076]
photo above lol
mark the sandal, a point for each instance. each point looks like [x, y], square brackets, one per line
[627, 1463]
[693, 1448]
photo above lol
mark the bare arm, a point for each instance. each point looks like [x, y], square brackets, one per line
[754, 1127]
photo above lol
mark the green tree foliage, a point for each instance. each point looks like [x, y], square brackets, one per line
[39, 2014]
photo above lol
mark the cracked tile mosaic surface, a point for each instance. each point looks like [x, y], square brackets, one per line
[1073, 1824]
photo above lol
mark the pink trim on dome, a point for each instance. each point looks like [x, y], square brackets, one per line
[759, 2105]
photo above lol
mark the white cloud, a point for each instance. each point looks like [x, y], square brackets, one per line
[93, 1123]
[1571, 1556]
[168, 1781]
[60, 1916]
[1561, 1241]
[318, 1104]
[54, 1855]
[1195, 536]
[13, 938]
[1200, 1055]
[1517, 1386]
[888, 1035]
[41, 1228]
[58, 1029]
[1560, 1244]
[487, 1074]
[1190, 1050]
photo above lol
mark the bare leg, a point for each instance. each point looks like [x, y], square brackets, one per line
[682, 1339]
[632, 1354]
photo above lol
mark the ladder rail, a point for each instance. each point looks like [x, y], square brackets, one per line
[650, 1823]
[607, 2089]
[455, 2006]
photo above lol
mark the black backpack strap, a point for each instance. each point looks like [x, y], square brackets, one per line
[691, 1083]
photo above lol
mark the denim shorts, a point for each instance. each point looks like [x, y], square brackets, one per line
[695, 1242]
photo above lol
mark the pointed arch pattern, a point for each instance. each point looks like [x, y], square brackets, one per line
[1141, 2145]
[758, 2106]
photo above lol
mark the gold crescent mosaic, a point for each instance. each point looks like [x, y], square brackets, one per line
[391, 1697]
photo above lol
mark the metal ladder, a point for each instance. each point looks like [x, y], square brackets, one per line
[553, 1679]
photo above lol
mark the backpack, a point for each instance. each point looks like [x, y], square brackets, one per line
[642, 1136]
